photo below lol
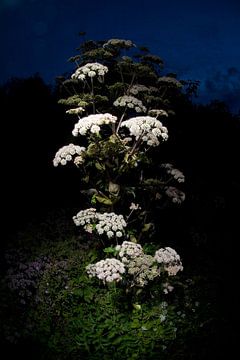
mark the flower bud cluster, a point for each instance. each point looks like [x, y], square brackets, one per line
[131, 102]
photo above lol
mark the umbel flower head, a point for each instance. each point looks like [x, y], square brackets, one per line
[90, 70]
[142, 269]
[109, 224]
[128, 250]
[169, 259]
[92, 123]
[85, 218]
[67, 153]
[107, 270]
[146, 128]
[131, 102]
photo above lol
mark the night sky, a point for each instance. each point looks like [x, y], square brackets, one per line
[198, 40]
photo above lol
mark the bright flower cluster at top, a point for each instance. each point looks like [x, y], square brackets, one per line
[131, 102]
[146, 128]
[110, 224]
[92, 123]
[90, 70]
[107, 270]
[68, 153]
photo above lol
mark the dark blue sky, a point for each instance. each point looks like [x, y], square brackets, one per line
[196, 39]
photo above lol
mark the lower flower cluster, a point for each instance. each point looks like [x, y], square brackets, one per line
[138, 268]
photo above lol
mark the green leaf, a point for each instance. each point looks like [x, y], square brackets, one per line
[104, 200]
[146, 227]
[109, 250]
[100, 167]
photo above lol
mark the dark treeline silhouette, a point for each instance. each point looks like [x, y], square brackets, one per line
[33, 127]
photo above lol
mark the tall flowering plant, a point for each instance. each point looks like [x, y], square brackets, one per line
[119, 105]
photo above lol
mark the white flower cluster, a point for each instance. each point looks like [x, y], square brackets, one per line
[68, 153]
[85, 218]
[92, 123]
[177, 174]
[91, 70]
[134, 206]
[157, 112]
[142, 270]
[107, 270]
[148, 128]
[129, 250]
[131, 102]
[119, 42]
[75, 111]
[177, 196]
[170, 260]
[137, 88]
[111, 224]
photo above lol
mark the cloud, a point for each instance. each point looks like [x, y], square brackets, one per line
[225, 86]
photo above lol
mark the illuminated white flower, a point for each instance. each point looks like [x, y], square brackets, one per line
[90, 70]
[107, 270]
[149, 129]
[68, 153]
[128, 250]
[92, 123]
[85, 218]
[111, 224]
[169, 259]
